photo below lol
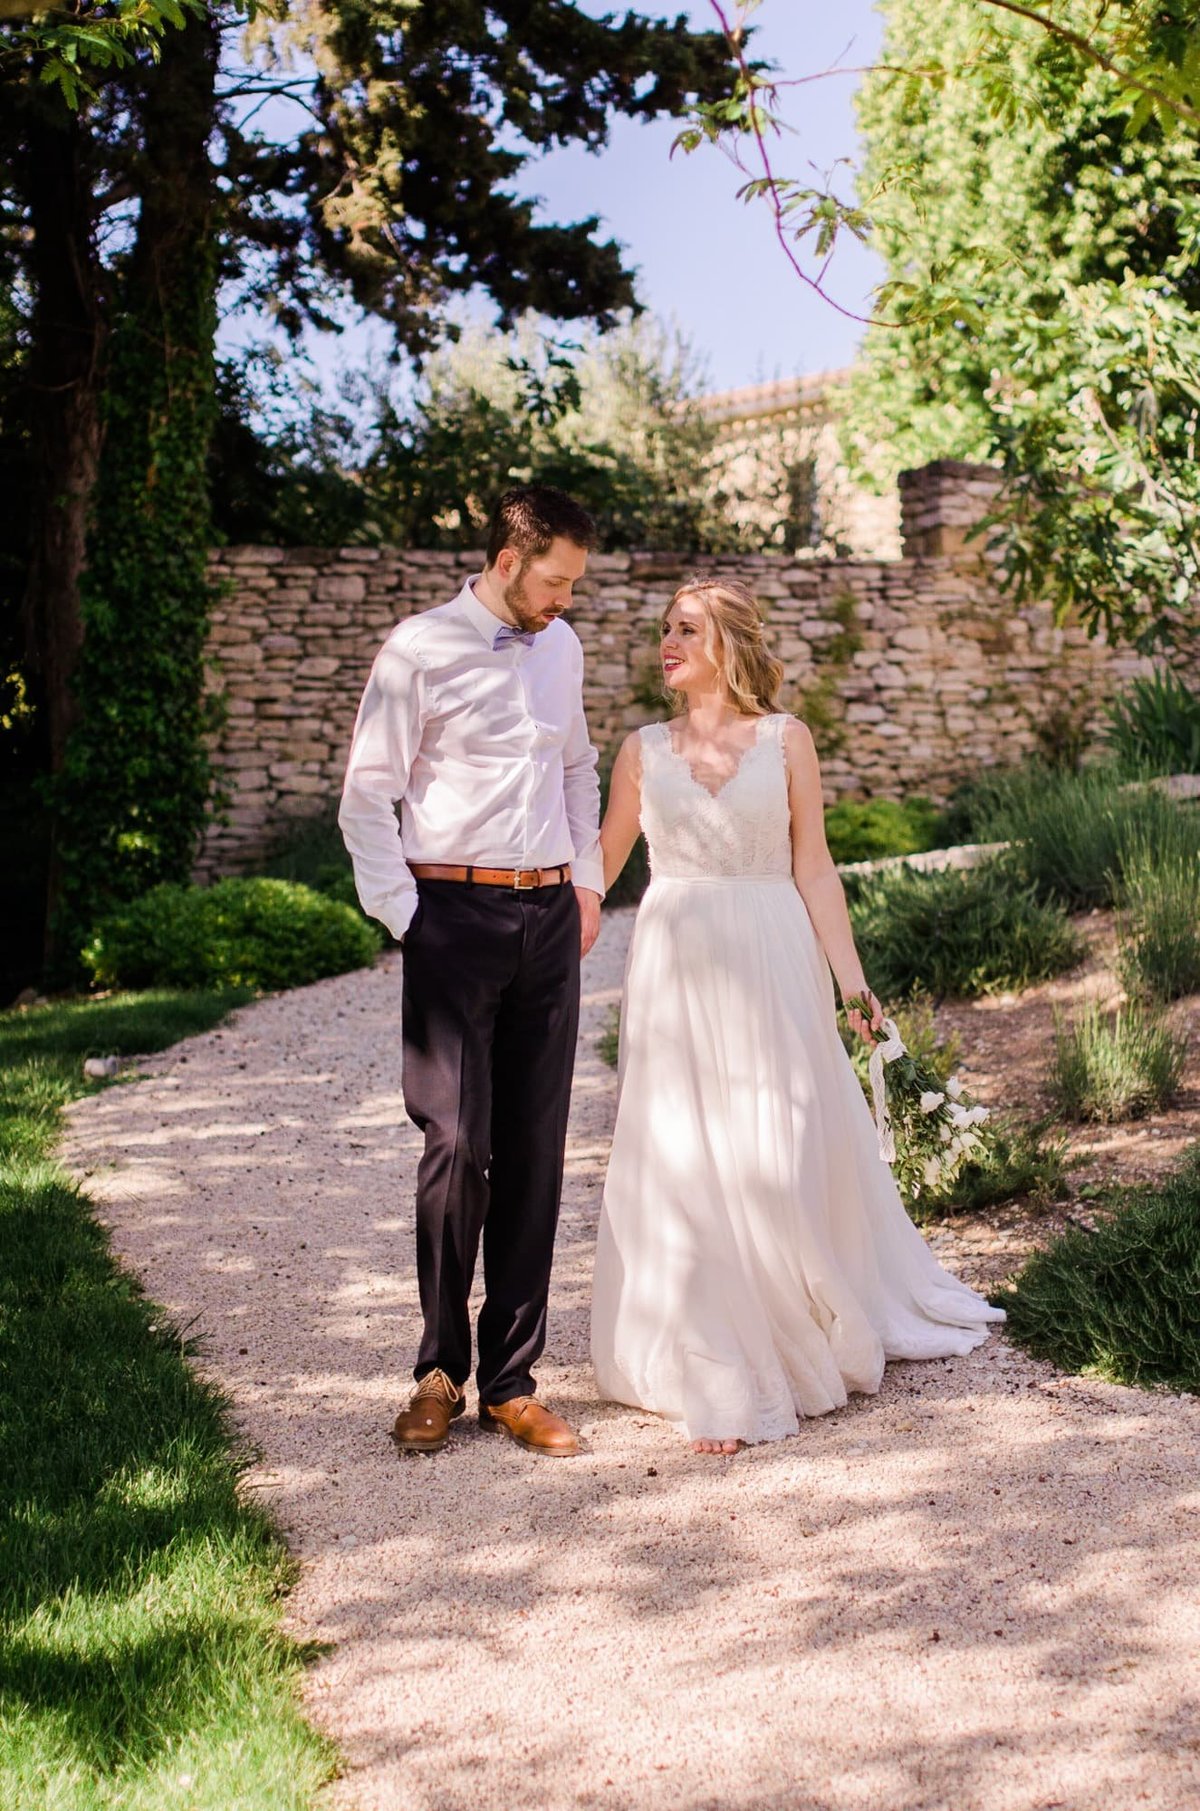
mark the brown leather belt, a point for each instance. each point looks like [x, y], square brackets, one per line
[521, 880]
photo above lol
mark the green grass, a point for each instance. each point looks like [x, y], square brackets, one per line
[141, 1661]
[1122, 1302]
[609, 1041]
[1111, 1067]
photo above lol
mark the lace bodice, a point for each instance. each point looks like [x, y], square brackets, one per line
[694, 834]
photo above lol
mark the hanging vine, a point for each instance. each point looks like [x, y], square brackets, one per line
[131, 799]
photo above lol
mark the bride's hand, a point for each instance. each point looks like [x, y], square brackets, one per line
[859, 1022]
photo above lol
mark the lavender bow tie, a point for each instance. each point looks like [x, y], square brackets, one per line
[504, 635]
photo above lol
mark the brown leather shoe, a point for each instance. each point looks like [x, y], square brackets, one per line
[424, 1426]
[524, 1420]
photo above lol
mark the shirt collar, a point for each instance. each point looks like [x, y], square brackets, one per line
[478, 614]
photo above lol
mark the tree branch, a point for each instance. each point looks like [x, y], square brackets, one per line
[735, 39]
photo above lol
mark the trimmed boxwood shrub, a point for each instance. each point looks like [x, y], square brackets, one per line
[263, 934]
[877, 828]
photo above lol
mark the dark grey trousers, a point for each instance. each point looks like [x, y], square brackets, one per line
[490, 1017]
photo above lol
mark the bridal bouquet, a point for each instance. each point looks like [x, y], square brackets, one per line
[927, 1127]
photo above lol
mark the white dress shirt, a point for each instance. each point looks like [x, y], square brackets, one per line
[486, 750]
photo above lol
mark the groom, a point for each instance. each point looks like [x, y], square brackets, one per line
[472, 721]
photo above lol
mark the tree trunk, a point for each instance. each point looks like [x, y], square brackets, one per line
[67, 340]
[134, 789]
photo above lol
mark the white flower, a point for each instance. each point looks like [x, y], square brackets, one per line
[954, 1087]
[958, 1115]
[930, 1101]
[977, 1115]
[933, 1171]
[944, 1133]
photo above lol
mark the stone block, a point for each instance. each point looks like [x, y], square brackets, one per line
[916, 637]
[341, 588]
[308, 785]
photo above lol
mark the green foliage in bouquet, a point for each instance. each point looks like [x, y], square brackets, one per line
[1121, 1301]
[1012, 1160]
[1015, 1162]
[876, 828]
[1114, 1067]
[959, 932]
[261, 934]
[1158, 923]
[916, 1021]
[935, 1127]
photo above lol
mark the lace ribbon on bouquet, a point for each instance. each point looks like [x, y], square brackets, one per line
[887, 1051]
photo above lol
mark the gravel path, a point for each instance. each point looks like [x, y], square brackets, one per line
[975, 1592]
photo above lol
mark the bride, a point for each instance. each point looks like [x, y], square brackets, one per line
[755, 1262]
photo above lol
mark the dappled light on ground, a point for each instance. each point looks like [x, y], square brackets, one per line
[976, 1590]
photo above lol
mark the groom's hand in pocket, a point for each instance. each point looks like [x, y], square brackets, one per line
[589, 918]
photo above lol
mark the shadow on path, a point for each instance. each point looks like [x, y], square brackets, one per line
[977, 1590]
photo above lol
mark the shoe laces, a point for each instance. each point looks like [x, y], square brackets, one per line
[436, 1383]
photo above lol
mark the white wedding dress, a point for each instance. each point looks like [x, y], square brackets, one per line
[754, 1262]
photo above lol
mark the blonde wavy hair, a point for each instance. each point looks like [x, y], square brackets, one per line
[750, 675]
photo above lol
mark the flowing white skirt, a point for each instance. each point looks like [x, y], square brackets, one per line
[754, 1262]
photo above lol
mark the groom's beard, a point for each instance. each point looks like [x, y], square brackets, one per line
[522, 611]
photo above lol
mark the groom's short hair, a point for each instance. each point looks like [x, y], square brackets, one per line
[530, 516]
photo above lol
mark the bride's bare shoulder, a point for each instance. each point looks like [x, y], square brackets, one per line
[629, 755]
[635, 742]
[797, 736]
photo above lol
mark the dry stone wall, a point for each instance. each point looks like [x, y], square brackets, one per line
[913, 672]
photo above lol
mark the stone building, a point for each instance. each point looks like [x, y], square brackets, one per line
[780, 461]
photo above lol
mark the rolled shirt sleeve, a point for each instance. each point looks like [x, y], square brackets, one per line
[581, 790]
[387, 735]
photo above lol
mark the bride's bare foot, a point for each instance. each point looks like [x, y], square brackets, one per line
[717, 1446]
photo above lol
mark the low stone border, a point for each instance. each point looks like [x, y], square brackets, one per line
[928, 861]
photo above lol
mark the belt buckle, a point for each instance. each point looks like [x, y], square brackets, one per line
[526, 886]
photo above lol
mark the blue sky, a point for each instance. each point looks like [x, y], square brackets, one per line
[705, 260]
